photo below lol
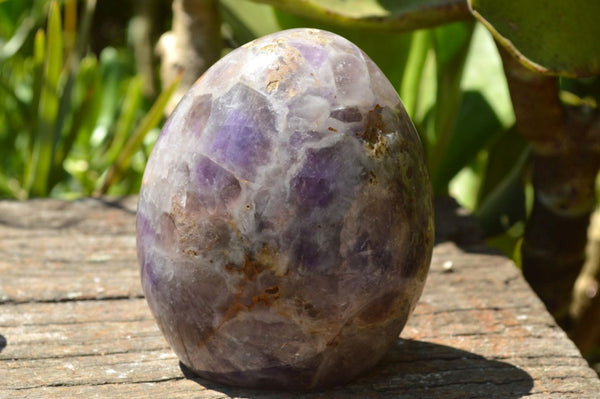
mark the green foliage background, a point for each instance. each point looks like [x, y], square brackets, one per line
[72, 121]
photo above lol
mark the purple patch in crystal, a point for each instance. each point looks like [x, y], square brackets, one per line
[240, 140]
[150, 280]
[313, 54]
[316, 251]
[146, 236]
[315, 184]
[199, 114]
[143, 226]
[370, 250]
[215, 183]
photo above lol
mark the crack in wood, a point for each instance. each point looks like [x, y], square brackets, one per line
[75, 299]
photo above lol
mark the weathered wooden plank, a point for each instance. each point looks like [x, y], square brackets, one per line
[87, 247]
[73, 323]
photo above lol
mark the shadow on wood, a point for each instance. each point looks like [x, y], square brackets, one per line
[2, 343]
[413, 367]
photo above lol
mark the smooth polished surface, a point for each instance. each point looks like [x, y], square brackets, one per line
[285, 224]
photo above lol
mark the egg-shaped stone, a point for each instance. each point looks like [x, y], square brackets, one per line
[284, 224]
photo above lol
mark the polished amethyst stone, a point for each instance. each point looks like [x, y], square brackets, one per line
[285, 220]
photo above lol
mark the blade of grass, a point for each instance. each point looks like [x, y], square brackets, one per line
[113, 72]
[39, 52]
[36, 184]
[85, 112]
[70, 26]
[64, 107]
[12, 46]
[134, 142]
[126, 120]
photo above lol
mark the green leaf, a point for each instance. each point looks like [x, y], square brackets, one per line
[8, 92]
[248, 20]
[509, 242]
[466, 184]
[124, 126]
[451, 44]
[484, 73]
[39, 54]
[65, 108]
[413, 71]
[502, 194]
[475, 125]
[36, 182]
[552, 37]
[14, 14]
[389, 15]
[113, 69]
[84, 90]
[585, 90]
[151, 120]
[11, 47]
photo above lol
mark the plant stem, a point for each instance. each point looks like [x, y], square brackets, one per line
[143, 25]
[192, 45]
[565, 165]
[586, 296]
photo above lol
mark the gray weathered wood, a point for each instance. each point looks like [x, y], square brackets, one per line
[73, 321]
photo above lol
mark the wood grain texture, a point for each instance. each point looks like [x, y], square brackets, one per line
[73, 321]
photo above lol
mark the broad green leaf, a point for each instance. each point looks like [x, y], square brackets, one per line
[475, 125]
[552, 37]
[502, 194]
[510, 242]
[485, 110]
[466, 184]
[413, 72]
[484, 73]
[248, 20]
[451, 43]
[389, 15]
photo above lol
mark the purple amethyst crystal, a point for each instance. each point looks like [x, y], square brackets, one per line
[285, 219]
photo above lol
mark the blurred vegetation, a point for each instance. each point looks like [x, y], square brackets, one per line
[73, 121]
[79, 113]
